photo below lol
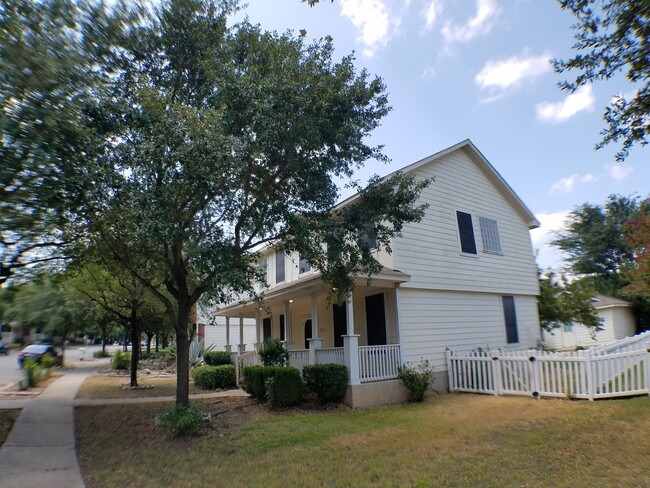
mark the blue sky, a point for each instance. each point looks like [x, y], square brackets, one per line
[479, 69]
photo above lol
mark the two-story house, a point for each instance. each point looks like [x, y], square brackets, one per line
[462, 278]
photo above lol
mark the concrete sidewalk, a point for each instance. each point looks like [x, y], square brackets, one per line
[40, 450]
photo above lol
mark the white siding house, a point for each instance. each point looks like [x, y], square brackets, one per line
[619, 321]
[462, 278]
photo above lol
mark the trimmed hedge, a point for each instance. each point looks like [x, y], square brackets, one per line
[254, 382]
[328, 381]
[214, 377]
[217, 358]
[284, 388]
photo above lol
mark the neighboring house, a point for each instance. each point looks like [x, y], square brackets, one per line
[619, 321]
[227, 336]
[462, 278]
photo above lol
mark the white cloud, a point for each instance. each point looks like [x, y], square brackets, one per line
[548, 256]
[582, 99]
[618, 171]
[428, 73]
[431, 12]
[372, 20]
[480, 24]
[568, 184]
[505, 73]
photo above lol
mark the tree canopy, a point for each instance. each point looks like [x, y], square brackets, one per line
[613, 37]
[218, 140]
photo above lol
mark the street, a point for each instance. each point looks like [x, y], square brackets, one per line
[9, 372]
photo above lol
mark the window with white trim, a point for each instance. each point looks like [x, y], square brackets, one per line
[303, 265]
[262, 267]
[490, 235]
[279, 266]
[510, 318]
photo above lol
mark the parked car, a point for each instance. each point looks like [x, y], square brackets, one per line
[37, 351]
[4, 348]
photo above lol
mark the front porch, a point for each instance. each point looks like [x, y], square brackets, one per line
[362, 333]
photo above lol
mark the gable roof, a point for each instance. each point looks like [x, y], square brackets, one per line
[483, 164]
[604, 301]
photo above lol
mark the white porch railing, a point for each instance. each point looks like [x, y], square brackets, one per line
[332, 355]
[378, 362]
[299, 358]
[583, 375]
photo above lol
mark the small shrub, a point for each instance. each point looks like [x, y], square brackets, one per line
[121, 361]
[214, 377]
[181, 421]
[284, 387]
[273, 353]
[253, 381]
[31, 371]
[217, 358]
[170, 352]
[101, 354]
[328, 381]
[417, 380]
[47, 361]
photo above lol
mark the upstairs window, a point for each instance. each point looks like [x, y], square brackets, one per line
[466, 232]
[490, 235]
[279, 267]
[366, 241]
[262, 269]
[303, 266]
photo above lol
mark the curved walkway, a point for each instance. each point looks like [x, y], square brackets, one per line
[40, 449]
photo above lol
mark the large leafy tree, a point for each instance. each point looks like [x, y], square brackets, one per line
[50, 54]
[613, 37]
[638, 236]
[123, 298]
[48, 305]
[594, 243]
[220, 140]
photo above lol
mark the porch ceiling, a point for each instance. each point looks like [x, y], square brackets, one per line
[305, 286]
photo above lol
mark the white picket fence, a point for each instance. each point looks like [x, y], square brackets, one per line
[634, 343]
[299, 358]
[583, 374]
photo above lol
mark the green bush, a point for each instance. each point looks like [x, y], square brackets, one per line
[47, 361]
[214, 377]
[217, 358]
[101, 354]
[284, 387]
[417, 380]
[273, 353]
[253, 380]
[328, 381]
[181, 421]
[121, 361]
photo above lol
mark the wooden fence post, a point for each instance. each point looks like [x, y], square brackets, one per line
[591, 388]
[646, 373]
[496, 372]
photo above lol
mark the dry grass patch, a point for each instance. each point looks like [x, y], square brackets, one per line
[450, 440]
[7, 419]
[117, 386]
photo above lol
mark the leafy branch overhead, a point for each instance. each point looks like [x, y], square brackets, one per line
[612, 37]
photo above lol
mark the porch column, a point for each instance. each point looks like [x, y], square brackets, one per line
[351, 346]
[258, 325]
[315, 342]
[228, 346]
[242, 346]
[287, 325]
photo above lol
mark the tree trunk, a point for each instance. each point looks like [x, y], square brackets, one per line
[103, 341]
[135, 351]
[182, 364]
[157, 340]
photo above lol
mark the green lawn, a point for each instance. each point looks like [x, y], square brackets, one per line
[450, 440]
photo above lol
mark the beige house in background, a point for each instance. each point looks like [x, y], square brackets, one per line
[619, 321]
[464, 277]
